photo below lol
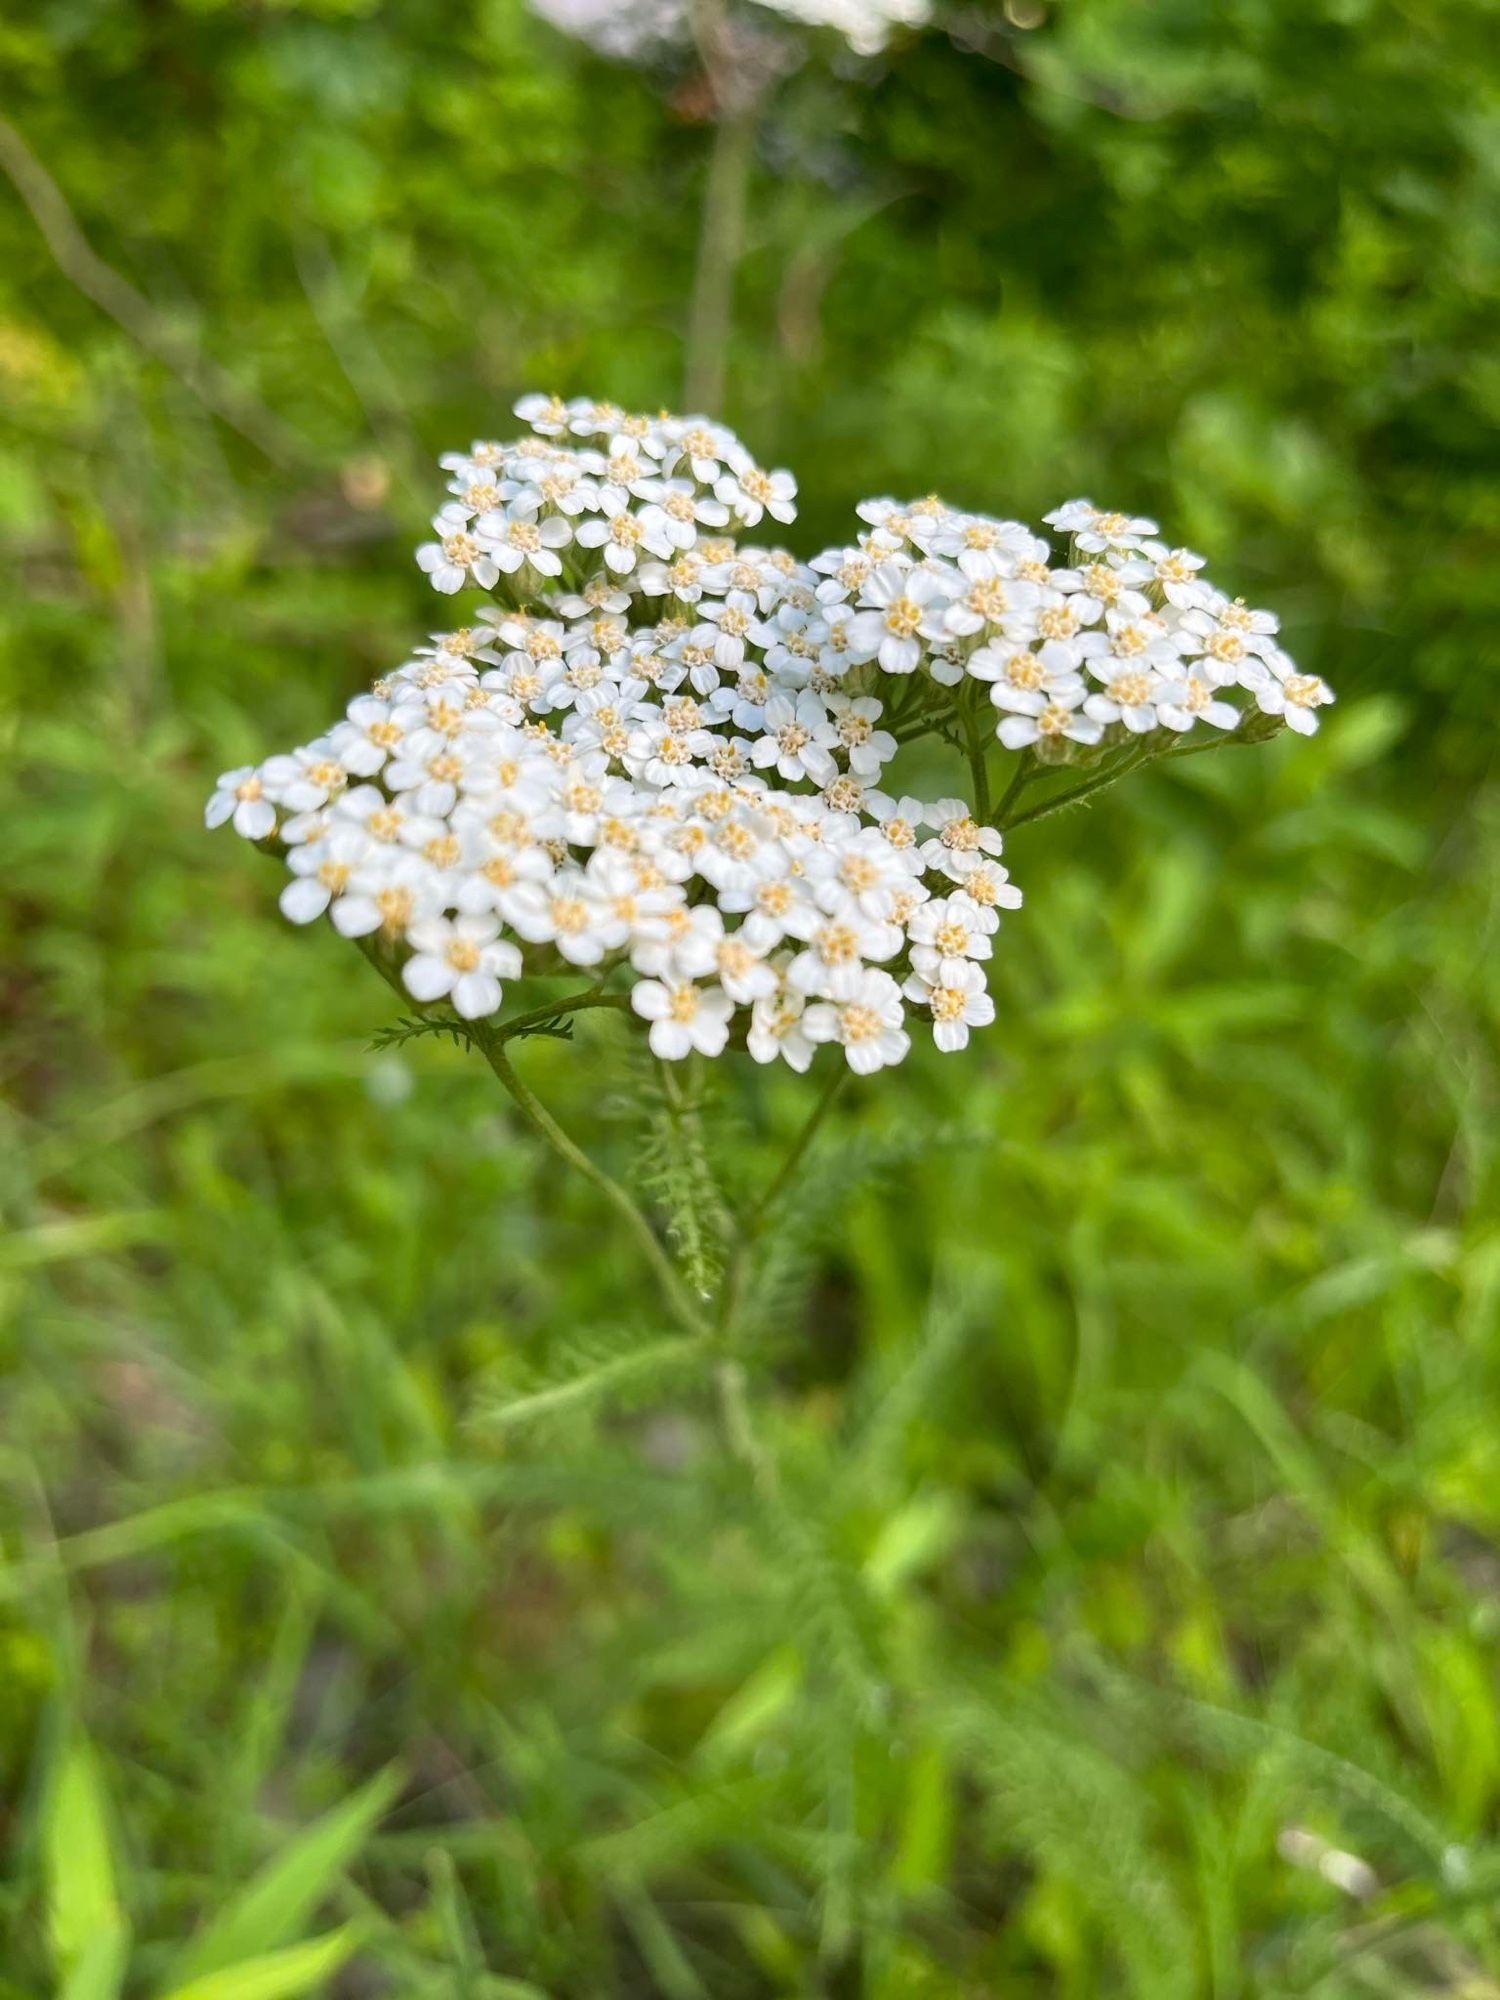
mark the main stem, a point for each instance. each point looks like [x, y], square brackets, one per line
[492, 1047]
[716, 1333]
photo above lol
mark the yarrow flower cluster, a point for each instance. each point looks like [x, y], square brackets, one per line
[1128, 632]
[663, 748]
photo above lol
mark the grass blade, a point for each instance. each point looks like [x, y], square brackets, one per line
[278, 1901]
[278, 1975]
[86, 1925]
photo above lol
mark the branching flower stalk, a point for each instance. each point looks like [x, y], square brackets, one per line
[662, 756]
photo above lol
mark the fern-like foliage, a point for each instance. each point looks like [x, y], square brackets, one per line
[464, 1034]
[675, 1171]
[599, 1368]
[423, 1027]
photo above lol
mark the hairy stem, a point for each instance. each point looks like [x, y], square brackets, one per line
[1060, 801]
[1131, 761]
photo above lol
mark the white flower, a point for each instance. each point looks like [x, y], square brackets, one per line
[683, 1017]
[900, 601]
[685, 509]
[321, 870]
[866, 747]
[547, 415]
[960, 839]
[987, 883]
[901, 820]
[1176, 574]
[954, 990]
[1033, 717]
[1291, 695]
[512, 537]
[623, 536]
[989, 592]
[949, 927]
[1132, 696]
[750, 493]
[494, 877]
[743, 973]
[866, 25]
[372, 731]
[707, 448]
[241, 799]
[388, 891]
[669, 766]
[566, 911]
[798, 739]
[776, 1030]
[463, 958]
[456, 557]
[725, 628]
[1232, 641]
[1197, 702]
[838, 940]
[1094, 530]
[863, 1013]
[864, 870]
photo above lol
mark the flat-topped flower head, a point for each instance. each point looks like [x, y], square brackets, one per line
[659, 752]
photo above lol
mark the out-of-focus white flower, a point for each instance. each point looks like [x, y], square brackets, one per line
[241, 799]
[1294, 697]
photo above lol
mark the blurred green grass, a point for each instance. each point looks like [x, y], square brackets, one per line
[1135, 1420]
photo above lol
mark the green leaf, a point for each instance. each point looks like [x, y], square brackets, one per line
[585, 1378]
[98, 1973]
[87, 1927]
[558, 1027]
[410, 1029]
[278, 1901]
[278, 1975]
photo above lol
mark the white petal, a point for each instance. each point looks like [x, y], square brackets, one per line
[475, 994]
[304, 899]
[426, 977]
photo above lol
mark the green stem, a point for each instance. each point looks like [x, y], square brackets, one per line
[491, 1044]
[750, 1225]
[739, 1429]
[979, 773]
[1060, 801]
[573, 1003]
[542, 1122]
[1025, 771]
[1132, 761]
[755, 1220]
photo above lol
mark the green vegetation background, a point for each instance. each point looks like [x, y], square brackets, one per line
[1137, 1418]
